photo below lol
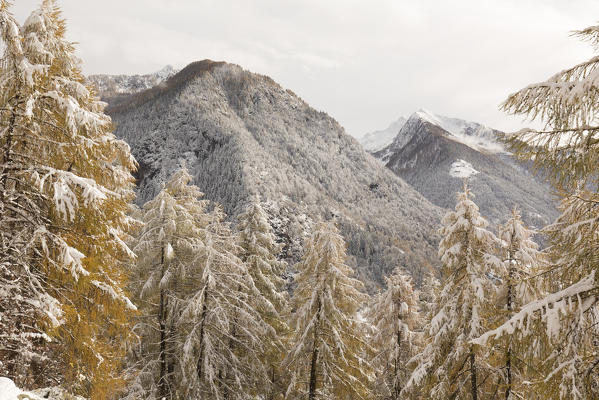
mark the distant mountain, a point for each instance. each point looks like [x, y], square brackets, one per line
[378, 140]
[116, 87]
[241, 134]
[434, 154]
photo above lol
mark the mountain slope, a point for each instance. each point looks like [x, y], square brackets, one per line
[241, 133]
[434, 154]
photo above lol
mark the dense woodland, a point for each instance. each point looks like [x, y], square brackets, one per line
[172, 301]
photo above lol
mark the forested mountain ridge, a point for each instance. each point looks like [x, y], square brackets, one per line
[434, 154]
[242, 134]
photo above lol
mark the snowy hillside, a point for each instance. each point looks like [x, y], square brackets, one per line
[434, 154]
[242, 134]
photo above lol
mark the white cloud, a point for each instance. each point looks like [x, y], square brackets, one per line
[364, 62]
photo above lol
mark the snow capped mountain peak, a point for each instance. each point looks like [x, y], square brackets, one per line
[472, 134]
[378, 140]
[434, 153]
[428, 117]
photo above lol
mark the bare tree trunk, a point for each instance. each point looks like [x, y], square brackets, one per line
[172, 332]
[273, 386]
[312, 392]
[473, 384]
[312, 389]
[510, 307]
[201, 338]
[396, 385]
[162, 384]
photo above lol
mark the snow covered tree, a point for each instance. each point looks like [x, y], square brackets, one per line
[259, 252]
[449, 365]
[328, 351]
[522, 261]
[168, 249]
[223, 334]
[394, 316]
[65, 184]
[559, 326]
[567, 150]
[200, 334]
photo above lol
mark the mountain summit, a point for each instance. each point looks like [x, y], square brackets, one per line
[435, 153]
[242, 134]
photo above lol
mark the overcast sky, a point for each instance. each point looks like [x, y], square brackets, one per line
[364, 62]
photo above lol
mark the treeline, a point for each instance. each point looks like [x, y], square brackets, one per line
[172, 302]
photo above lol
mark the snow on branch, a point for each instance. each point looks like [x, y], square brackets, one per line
[116, 296]
[64, 198]
[557, 300]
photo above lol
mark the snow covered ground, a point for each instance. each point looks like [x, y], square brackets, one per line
[9, 391]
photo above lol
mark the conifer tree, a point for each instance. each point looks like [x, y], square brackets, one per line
[223, 347]
[449, 365]
[394, 316]
[168, 248]
[200, 336]
[328, 352]
[559, 327]
[521, 260]
[65, 184]
[567, 150]
[259, 252]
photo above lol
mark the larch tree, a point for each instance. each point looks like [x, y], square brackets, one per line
[259, 251]
[223, 342]
[329, 354]
[65, 184]
[394, 316]
[449, 365]
[24, 298]
[522, 261]
[559, 327]
[566, 149]
[169, 249]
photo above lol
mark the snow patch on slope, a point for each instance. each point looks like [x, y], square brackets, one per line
[462, 169]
